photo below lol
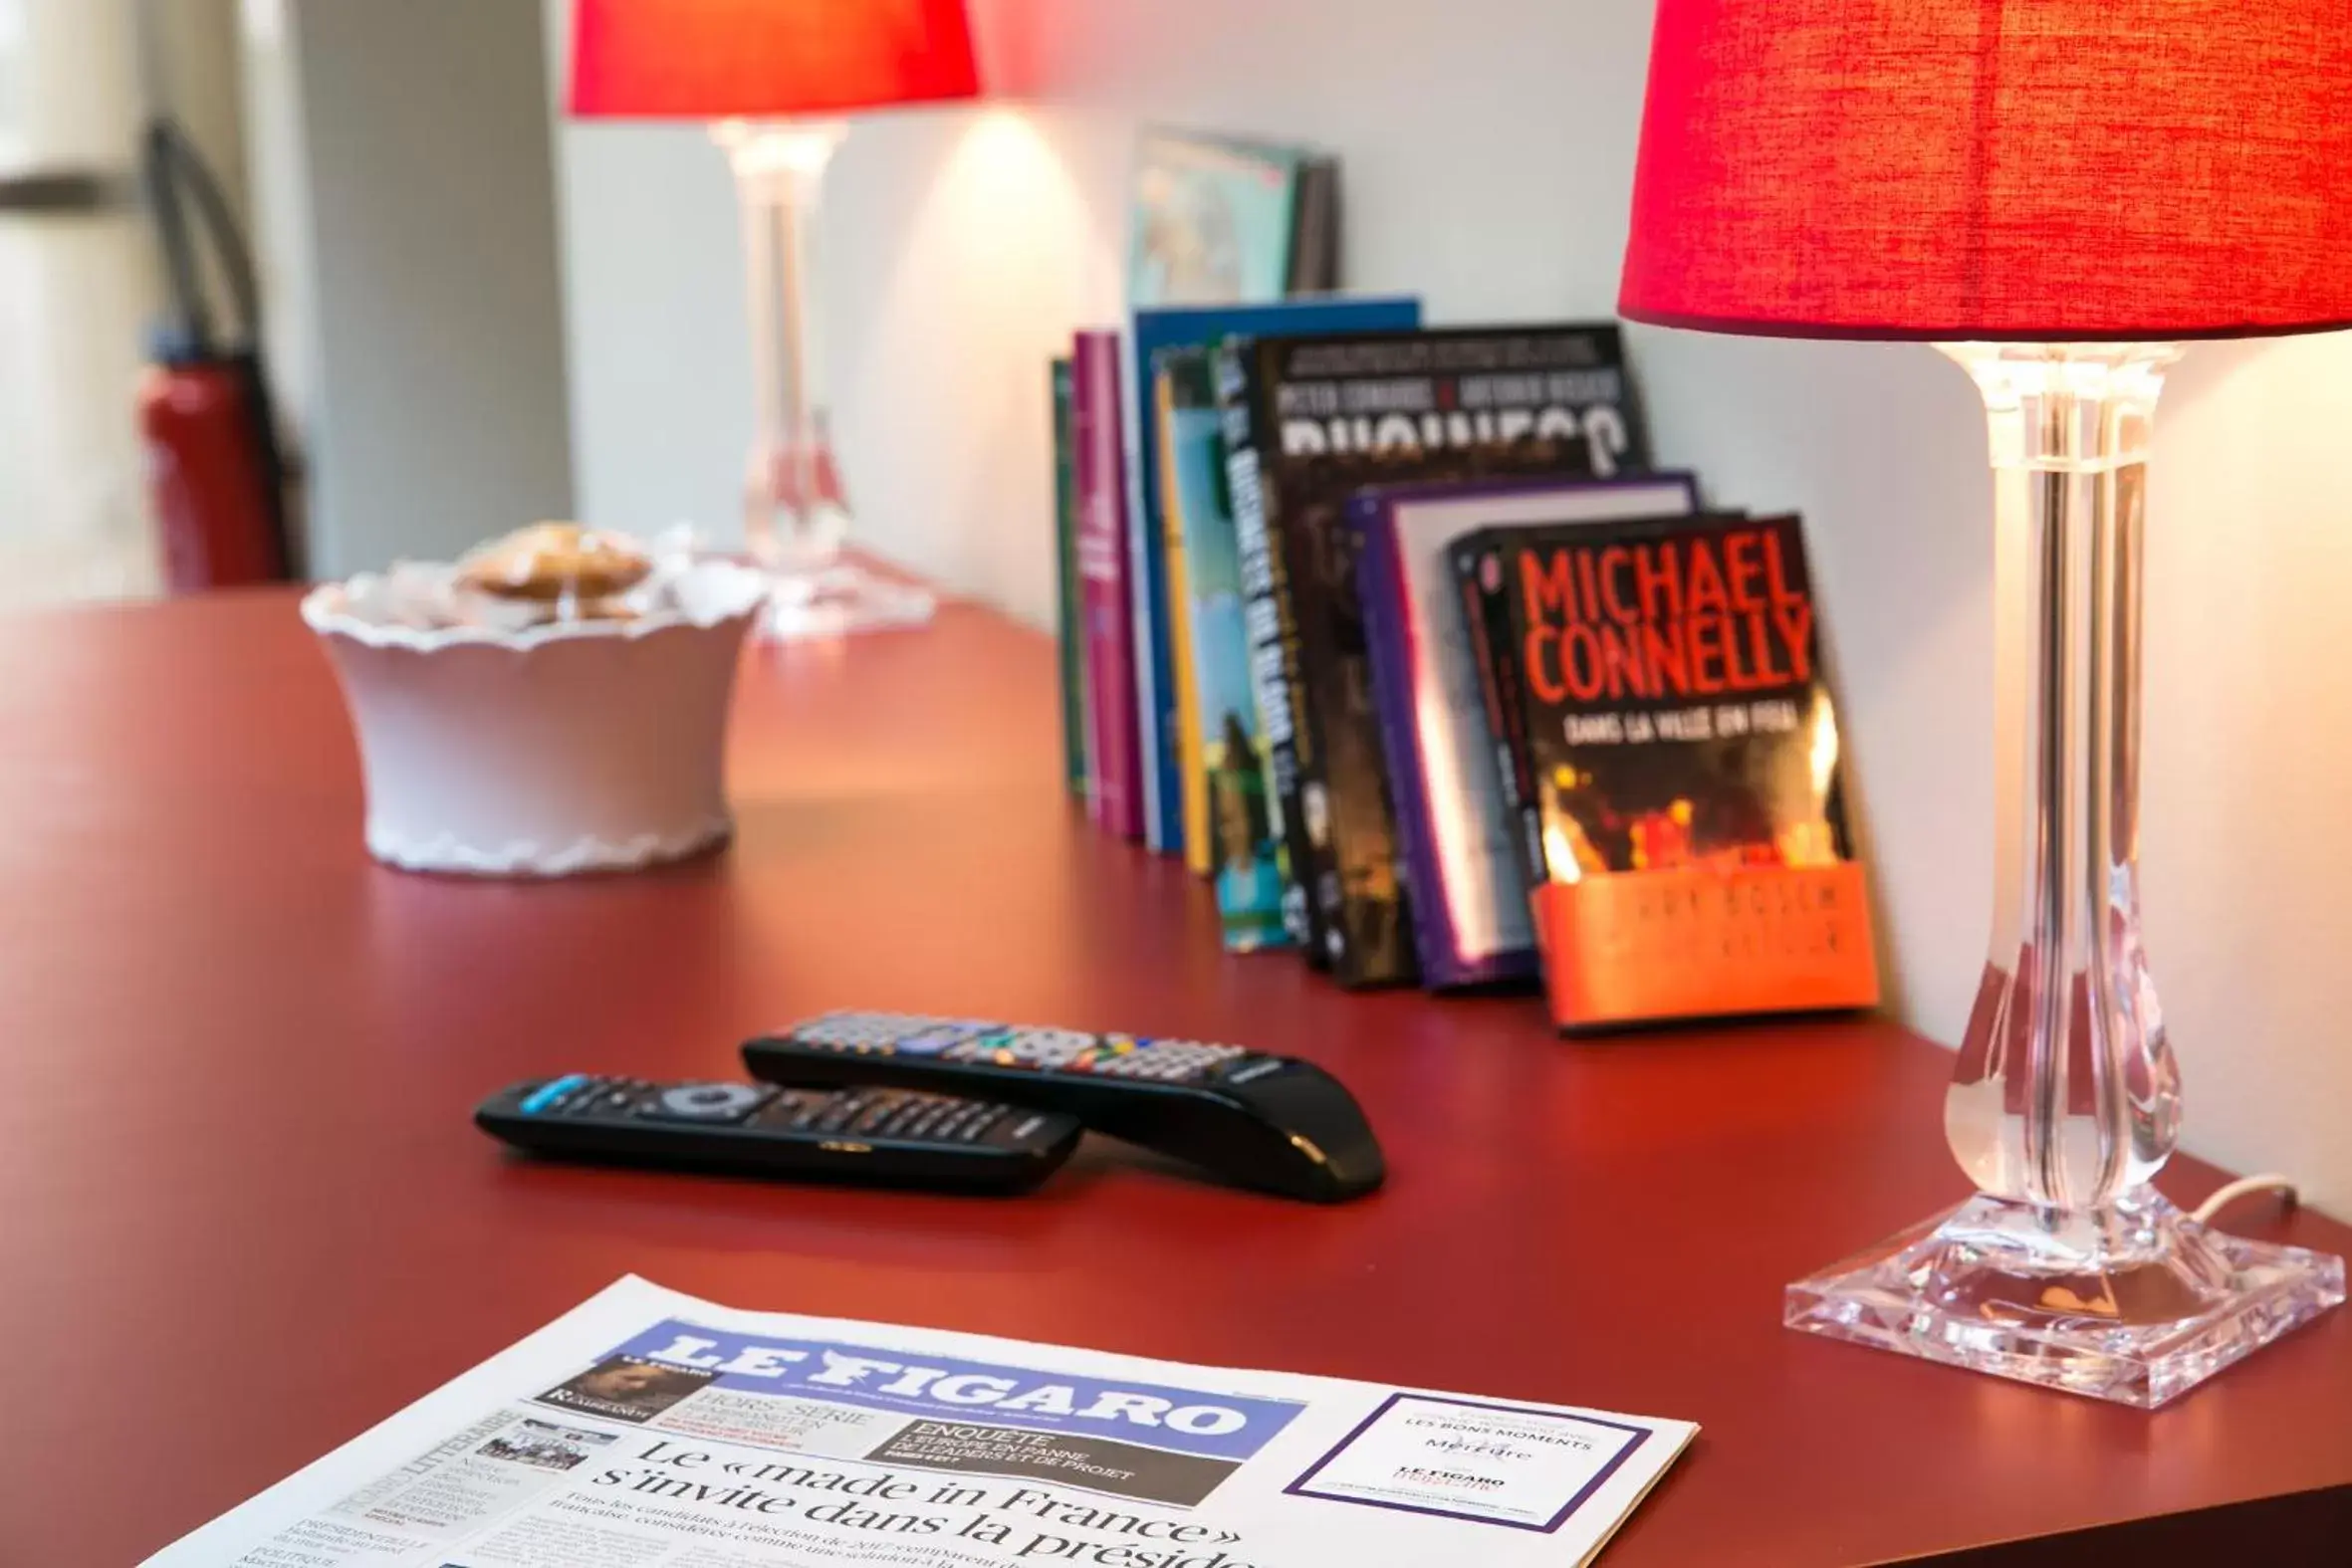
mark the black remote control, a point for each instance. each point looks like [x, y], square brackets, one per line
[1269, 1122]
[882, 1136]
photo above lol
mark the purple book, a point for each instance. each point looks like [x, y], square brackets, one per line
[1114, 787]
[1457, 844]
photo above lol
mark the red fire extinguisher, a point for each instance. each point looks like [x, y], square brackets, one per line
[216, 474]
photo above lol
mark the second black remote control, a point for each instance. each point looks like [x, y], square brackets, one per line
[883, 1136]
[1269, 1122]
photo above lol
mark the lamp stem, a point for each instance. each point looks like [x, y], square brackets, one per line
[795, 513]
[2066, 1096]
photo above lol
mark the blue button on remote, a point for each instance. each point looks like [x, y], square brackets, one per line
[548, 1094]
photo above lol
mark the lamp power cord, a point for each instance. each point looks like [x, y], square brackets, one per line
[2247, 1186]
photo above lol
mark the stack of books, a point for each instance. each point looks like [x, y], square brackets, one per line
[1394, 633]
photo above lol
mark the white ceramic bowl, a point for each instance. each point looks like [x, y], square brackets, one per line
[585, 746]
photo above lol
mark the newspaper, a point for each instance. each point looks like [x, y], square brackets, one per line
[650, 1430]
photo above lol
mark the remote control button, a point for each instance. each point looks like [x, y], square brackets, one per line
[1049, 1049]
[708, 1102]
[792, 1111]
[1146, 1066]
[1169, 1060]
[939, 1039]
[834, 1029]
[1046, 1050]
[547, 1094]
[871, 1031]
[909, 1113]
[929, 1118]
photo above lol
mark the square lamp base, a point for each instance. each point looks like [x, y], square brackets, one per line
[2137, 1303]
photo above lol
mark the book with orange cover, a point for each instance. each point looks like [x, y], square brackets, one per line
[1677, 755]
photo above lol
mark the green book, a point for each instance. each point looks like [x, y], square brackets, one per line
[1069, 622]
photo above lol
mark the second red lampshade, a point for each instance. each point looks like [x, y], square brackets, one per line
[767, 59]
[1958, 169]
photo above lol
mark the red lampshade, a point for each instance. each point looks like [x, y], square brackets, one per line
[2043, 170]
[762, 59]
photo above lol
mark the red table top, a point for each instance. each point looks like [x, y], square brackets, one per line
[245, 1214]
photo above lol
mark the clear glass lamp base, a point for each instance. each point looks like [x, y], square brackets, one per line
[840, 598]
[2136, 1303]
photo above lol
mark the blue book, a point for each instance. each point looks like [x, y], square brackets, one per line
[1197, 327]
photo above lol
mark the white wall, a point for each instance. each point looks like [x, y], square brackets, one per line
[1487, 150]
[77, 295]
[199, 76]
[406, 194]
[278, 184]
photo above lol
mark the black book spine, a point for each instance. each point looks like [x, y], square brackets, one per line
[1274, 644]
[1362, 893]
[1315, 229]
[1480, 570]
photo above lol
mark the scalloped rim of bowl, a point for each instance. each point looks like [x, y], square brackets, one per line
[449, 855]
[738, 592]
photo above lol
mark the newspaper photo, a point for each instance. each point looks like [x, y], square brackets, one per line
[650, 1430]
